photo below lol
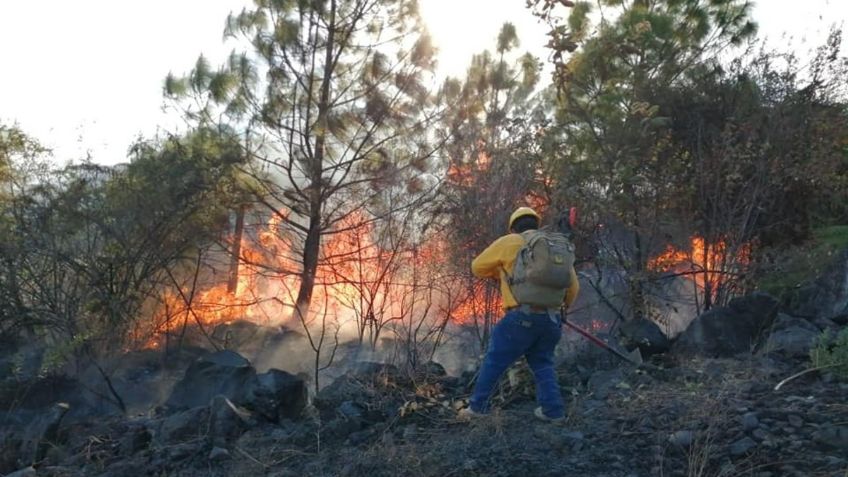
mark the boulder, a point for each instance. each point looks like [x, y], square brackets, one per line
[245, 336]
[840, 319]
[276, 395]
[41, 434]
[225, 372]
[227, 421]
[432, 368]
[359, 384]
[183, 426]
[826, 296]
[25, 472]
[728, 331]
[785, 321]
[644, 335]
[794, 342]
[351, 410]
[791, 336]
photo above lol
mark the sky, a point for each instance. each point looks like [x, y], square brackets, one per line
[84, 77]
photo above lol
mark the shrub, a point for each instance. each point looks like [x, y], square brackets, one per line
[832, 352]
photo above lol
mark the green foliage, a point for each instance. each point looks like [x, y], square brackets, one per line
[835, 237]
[60, 353]
[92, 243]
[831, 352]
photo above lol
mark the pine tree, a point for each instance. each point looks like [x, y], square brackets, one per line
[613, 67]
[332, 102]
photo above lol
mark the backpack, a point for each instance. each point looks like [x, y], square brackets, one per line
[542, 270]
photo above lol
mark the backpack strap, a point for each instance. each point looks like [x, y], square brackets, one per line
[510, 278]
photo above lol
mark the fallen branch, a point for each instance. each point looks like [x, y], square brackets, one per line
[804, 372]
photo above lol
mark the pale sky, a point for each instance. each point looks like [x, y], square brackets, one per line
[86, 75]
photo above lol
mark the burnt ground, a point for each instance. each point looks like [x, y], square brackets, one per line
[693, 417]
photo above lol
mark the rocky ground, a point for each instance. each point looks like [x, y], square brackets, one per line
[681, 417]
[704, 405]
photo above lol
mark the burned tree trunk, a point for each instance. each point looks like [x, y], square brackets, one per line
[232, 283]
[312, 245]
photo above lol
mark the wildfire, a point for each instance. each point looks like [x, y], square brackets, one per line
[359, 279]
[707, 264]
[476, 305]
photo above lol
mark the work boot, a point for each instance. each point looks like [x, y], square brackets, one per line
[541, 416]
[467, 415]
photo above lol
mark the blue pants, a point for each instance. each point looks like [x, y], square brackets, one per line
[533, 336]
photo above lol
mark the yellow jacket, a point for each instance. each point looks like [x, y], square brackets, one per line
[498, 259]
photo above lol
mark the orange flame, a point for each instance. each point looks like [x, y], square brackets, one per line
[710, 264]
[357, 276]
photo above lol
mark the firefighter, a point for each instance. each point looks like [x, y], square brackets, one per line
[526, 329]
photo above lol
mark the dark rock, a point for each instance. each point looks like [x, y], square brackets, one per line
[409, 432]
[25, 472]
[183, 426]
[346, 387]
[794, 341]
[796, 421]
[226, 373]
[759, 305]
[276, 395]
[742, 446]
[682, 439]
[729, 331]
[826, 296]
[433, 368]
[237, 334]
[227, 421]
[841, 319]
[219, 454]
[351, 410]
[750, 421]
[833, 436]
[825, 324]
[760, 434]
[340, 428]
[41, 434]
[784, 321]
[644, 335]
[301, 433]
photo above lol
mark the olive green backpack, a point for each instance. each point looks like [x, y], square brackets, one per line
[542, 270]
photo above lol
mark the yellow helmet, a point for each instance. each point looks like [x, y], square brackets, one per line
[521, 212]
